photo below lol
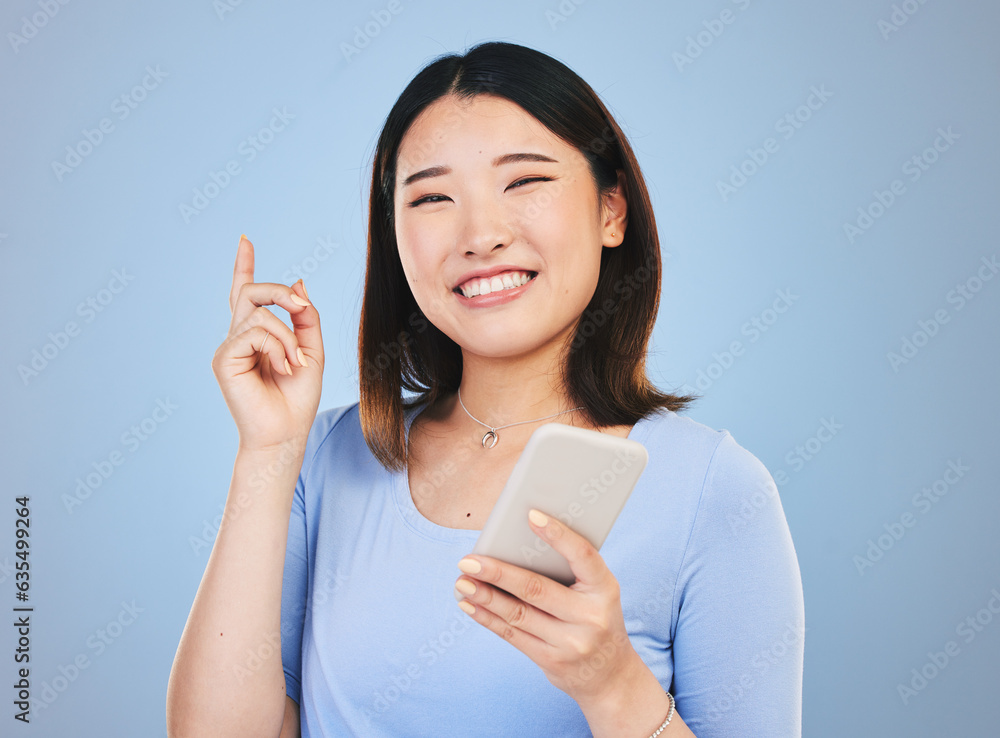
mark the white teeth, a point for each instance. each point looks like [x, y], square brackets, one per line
[505, 281]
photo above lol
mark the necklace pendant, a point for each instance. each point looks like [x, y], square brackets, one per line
[491, 434]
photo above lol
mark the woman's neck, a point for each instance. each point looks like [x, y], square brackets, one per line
[499, 393]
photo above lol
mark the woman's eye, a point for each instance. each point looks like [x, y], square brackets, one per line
[441, 198]
[526, 180]
[429, 198]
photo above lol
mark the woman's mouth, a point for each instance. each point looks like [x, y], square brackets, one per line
[497, 283]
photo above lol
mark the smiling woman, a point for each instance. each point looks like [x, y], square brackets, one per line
[513, 279]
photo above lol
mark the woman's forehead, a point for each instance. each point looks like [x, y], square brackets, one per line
[486, 127]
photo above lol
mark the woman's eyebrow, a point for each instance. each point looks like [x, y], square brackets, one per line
[499, 161]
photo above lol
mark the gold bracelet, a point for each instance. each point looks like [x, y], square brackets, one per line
[670, 715]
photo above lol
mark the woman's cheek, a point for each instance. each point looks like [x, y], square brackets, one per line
[541, 205]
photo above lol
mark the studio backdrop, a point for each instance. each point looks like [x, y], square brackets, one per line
[825, 182]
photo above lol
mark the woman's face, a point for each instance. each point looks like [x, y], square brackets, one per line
[486, 196]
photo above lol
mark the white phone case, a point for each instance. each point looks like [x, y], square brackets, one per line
[582, 477]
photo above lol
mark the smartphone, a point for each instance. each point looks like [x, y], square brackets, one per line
[582, 477]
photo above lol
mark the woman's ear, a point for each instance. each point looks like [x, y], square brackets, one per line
[615, 213]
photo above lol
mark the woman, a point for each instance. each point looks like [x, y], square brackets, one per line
[512, 280]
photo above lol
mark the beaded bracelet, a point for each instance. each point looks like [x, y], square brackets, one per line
[670, 715]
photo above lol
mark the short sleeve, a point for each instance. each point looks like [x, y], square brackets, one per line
[739, 636]
[294, 587]
[295, 579]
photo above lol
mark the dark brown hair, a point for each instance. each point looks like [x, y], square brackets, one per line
[398, 348]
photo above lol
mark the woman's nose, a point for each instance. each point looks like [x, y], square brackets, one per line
[485, 226]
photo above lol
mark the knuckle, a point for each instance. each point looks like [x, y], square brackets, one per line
[533, 588]
[486, 595]
[493, 574]
[507, 632]
[518, 614]
[586, 552]
[579, 647]
[599, 621]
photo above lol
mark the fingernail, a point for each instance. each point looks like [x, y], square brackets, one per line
[470, 566]
[243, 237]
[469, 609]
[465, 587]
[304, 288]
[538, 518]
[299, 301]
[288, 367]
[302, 357]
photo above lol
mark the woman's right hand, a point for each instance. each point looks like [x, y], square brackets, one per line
[273, 396]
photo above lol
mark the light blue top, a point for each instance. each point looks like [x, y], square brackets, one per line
[374, 644]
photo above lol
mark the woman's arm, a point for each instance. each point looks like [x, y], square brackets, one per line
[219, 686]
[222, 682]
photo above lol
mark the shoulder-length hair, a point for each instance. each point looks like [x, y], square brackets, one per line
[605, 367]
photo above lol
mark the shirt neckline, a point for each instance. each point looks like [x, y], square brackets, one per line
[415, 519]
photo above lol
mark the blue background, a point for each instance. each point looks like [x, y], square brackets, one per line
[695, 104]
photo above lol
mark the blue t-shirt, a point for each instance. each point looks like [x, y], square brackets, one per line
[374, 644]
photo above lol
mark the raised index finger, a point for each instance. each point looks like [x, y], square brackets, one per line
[243, 271]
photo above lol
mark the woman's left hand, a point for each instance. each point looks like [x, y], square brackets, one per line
[576, 634]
